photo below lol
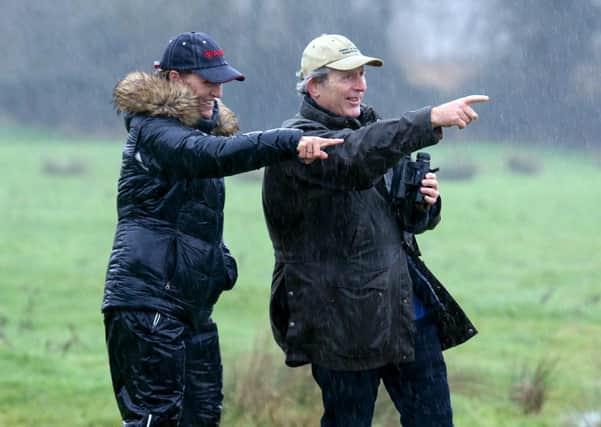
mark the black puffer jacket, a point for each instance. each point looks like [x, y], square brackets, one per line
[341, 291]
[168, 253]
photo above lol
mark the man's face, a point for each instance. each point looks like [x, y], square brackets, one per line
[342, 92]
[205, 90]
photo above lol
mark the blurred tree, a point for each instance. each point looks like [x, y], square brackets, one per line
[539, 60]
[539, 96]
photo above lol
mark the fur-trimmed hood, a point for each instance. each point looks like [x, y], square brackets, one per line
[142, 93]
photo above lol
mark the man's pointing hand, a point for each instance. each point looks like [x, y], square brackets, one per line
[457, 112]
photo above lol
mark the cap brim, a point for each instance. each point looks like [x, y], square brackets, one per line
[221, 74]
[352, 62]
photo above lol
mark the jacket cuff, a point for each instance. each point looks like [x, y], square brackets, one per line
[434, 214]
[284, 139]
[423, 119]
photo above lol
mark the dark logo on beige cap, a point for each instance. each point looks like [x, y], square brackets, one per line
[348, 50]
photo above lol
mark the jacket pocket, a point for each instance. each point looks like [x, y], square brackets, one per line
[359, 313]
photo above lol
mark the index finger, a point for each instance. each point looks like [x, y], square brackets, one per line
[471, 99]
[325, 142]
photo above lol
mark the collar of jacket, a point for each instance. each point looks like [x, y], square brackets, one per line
[310, 110]
[149, 94]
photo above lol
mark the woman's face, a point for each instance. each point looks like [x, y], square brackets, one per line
[206, 91]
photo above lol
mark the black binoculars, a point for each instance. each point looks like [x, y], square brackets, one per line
[407, 180]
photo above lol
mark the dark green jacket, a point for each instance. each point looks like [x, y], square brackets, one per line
[341, 290]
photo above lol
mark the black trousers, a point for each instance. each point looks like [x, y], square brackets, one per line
[164, 372]
[419, 389]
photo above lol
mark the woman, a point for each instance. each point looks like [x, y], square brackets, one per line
[169, 263]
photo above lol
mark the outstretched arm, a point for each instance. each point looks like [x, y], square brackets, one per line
[370, 151]
[182, 151]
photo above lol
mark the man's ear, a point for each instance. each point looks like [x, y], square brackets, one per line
[314, 88]
[174, 75]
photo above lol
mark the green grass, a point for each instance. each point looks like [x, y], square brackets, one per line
[521, 254]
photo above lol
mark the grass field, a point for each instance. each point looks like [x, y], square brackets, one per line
[520, 252]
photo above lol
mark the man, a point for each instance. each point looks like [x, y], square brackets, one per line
[343, 298]
[169, 263]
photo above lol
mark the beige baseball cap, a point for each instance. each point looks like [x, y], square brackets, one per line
[336, 52]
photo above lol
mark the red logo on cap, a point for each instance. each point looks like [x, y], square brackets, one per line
[212, 53]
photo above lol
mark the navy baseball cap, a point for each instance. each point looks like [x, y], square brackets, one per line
[198, 52]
